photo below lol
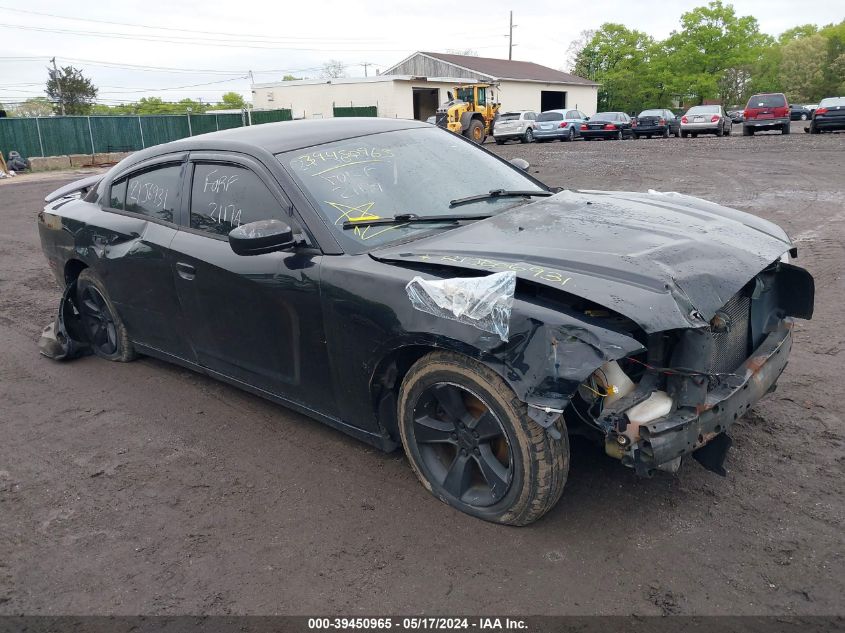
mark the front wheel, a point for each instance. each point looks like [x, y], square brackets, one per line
[472, 445]
[475, 131]
[102, 324]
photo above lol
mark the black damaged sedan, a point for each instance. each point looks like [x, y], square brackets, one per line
[408, 287]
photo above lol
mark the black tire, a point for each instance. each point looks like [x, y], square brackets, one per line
[747, 131]
[528, 137]
[684, 134]
[475, 131]
[648, 136]
[620, 136]
[720, 131]
[786, 129]
[729, 130]
[694, 134]
[102, 324]
[814, 130]
[569, 137]
[537, 464]
[500, 141]
[666, 132]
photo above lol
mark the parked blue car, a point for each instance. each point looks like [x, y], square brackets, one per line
[563, 125]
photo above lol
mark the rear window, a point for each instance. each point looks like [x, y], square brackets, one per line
[607, 116]
[651, 113]
[509, 116]
[550, 116]
[767, 101]
[832, 102]
[704, 109]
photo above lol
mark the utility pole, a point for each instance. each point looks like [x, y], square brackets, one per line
[365, 64]
[59, 87]
[510, 38]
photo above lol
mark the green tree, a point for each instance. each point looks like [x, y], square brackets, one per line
[629, 65]
[230, 101]
[290, 78]
[333, 68]
[797, 32]
[70, 90]
[834, 81]
[713, 40]
[36, 106]
[802, 68]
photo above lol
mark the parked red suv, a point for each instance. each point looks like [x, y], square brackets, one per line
[766, 112]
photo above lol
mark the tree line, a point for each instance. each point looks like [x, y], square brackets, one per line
[70, 92]
[715, 56]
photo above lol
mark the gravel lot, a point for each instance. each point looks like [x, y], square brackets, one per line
[145, 488]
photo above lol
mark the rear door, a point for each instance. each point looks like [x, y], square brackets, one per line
[138, 271]
[257, 319]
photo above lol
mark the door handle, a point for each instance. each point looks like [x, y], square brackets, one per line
[186, 271]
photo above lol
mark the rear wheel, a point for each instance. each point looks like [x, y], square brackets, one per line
[720, 131]
[683, 134]
[786, 129]
[472, 445]
[475, 131]
[500, 141]
[102, 324]
[569, 137]
[620, 136]
[666, 132]
[528, 137]
[694, 134]
[814, 130]
[747, 131]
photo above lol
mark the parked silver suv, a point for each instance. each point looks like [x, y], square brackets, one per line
[511, 126]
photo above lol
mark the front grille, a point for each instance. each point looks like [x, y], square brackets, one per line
[730, 348]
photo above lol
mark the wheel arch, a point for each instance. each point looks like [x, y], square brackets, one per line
[73, 268]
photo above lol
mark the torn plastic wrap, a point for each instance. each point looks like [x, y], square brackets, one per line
[483, 302]
[64, 338]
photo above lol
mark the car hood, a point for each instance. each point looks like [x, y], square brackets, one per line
[664, 260]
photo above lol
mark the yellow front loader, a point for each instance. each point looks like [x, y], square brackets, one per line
[470, 111]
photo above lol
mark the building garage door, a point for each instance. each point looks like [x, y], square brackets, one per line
[552, 100]
[426, 101]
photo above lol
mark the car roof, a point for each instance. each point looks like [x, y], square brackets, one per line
[286, 136]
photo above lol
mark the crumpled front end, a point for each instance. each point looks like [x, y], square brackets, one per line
[684, 393]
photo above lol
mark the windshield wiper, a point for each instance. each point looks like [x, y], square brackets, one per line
[410, 218]
[499, 193]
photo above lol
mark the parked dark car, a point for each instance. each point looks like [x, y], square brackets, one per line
[766, 112]
[829, 115]
[736, 116]
[408, 287]
[800, 113]
[607, 125]
[658, 122]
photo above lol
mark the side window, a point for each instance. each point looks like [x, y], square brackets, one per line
[482, 96]
[225, 196]
[155, 192]
[117, 194]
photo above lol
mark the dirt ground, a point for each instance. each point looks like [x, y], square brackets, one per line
[146, 488]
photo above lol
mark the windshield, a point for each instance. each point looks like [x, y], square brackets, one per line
[832, 102]
[705, 109]
[651, 113]
[550, 116]
[767, 101]
[415, 171]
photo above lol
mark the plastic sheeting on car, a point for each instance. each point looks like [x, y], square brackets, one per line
[483, 302]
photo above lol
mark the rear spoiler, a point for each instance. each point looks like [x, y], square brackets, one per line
[82, 186]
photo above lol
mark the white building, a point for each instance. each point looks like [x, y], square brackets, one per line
[413, 88]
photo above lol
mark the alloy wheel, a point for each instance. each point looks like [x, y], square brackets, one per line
[98, 321]
[462, 444]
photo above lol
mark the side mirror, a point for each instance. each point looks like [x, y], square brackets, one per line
[520, 163]
[586, 118]
[449, 95]
[263, 236]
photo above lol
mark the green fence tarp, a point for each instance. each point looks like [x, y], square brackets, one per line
[355, 111]
[59, 136]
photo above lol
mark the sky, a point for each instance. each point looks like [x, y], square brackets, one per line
[201, 49]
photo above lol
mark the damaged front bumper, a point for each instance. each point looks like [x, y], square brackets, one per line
[687, 430]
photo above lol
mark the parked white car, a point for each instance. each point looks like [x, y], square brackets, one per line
[511, 126]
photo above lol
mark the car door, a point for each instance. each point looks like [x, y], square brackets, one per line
[256, 319]
[137, 268]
